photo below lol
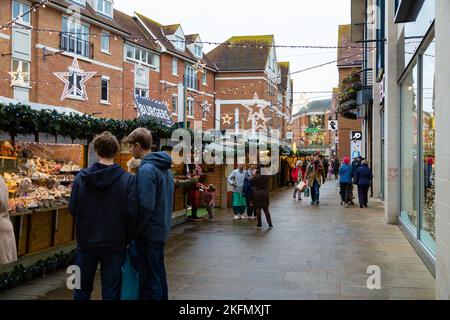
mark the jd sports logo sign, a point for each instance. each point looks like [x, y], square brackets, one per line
[356, 135]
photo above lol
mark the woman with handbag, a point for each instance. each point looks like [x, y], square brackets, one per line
[297, 177]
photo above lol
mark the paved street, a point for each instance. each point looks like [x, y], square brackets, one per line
[312, 253]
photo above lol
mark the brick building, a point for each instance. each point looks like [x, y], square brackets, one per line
[349, 61]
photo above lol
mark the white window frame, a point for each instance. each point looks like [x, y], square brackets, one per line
[204, 114]
[103, 12]
[174, 66]
[204, 78]
[200, 50]
[80, 2]
[140, 90]
[174, 110]
[133, 59]
[84, 36]
[179, 42]
[190, 107]
[107, 101]
[74, 96]
[26, 83]
[22, 10]
[192, 79]
[105, 35]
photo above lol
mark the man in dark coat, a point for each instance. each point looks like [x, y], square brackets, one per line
[364, 178]
[155, 187]
[104, 205]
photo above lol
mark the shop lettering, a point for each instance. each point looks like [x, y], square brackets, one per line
[374, 281]
[74, 280]
[189, 310]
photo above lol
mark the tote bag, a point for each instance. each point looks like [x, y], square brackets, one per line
[307, 192]
[130, 281]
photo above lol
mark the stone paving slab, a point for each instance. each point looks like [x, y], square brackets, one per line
[312, 253]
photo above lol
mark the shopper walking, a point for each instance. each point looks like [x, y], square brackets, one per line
[364, 178]
[336, 166]
[345, 181]
[155, 189]
[260, 196]
[315, 178]
[8, 249]
[210, 195]
[247, 191]
[236, 180]
[104, 205]
[297, 177]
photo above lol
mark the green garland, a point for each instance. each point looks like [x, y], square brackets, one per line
[18, 119]
[22, 274]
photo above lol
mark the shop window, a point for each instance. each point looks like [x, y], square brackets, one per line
[105, 90]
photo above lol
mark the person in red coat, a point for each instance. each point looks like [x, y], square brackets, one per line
[298, 175]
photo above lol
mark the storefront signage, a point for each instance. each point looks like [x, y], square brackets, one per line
[333, 125]
[313, 130]
[154, 109]
[382, 90]
[356, 136]
[289, 135]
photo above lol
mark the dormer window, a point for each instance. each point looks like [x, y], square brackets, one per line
[179, 42]
[105, 7]
[198, 50]
[80, 2]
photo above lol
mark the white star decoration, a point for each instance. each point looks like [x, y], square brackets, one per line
[206, 106]
[18, 76]
[227, 119]
[199, 67]
[259, 115]
[75, 81]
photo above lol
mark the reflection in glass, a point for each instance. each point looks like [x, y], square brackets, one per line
[409, 161]
[427, 230]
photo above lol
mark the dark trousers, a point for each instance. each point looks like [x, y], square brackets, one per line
[111, 273]
[315, 192]
[267, 213]
[363, 195]
[152, 271]
[239, 210]
[346, 192]
[194, 213]
[250, 210]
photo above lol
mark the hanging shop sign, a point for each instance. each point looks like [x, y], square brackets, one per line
[154, 109]
[356, 136]
[333, 125]
[382, 90]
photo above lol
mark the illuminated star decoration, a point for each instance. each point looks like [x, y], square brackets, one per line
[199, 67]
[206, 106]
[227, 119]
[78, 87]
[139, 71]
[257, 115]
[18, 76]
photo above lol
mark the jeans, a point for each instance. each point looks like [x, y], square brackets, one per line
[239, 210]
[152, 271]
[363, 195]
[315, 192]
[346, 192]
[111, 273]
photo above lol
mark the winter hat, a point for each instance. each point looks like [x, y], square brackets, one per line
[346, 160]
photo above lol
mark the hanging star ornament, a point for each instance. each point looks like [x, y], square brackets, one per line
[206, 106]
[75, 81]
[227, 119]
[199, 67]
[18, 77]
[257, 115]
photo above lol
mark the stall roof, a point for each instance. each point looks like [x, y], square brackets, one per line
[40, 106]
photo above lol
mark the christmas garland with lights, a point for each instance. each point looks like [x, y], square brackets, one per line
[22, 274]
[18, 119]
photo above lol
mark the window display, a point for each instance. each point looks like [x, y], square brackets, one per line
[39, 176]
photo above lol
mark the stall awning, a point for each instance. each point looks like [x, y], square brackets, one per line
[40, 106]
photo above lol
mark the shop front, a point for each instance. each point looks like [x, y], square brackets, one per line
[417, 130]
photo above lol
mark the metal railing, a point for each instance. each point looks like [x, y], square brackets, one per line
[366, 78]
[72, 43]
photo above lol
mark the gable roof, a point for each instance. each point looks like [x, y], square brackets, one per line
[132, 26]
[284, 71]
[171, 29]
[90, 13]
[229, 57]
[319, 106]
[190, 38]
[348, 56]
[157, 30]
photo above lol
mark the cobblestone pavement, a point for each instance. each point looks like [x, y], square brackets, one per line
[312, 253]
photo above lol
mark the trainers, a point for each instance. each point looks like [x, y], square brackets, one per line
[258, 227]
[211, 220]
[236, 217]
[270, 227]
[300, 199]
[346, 205]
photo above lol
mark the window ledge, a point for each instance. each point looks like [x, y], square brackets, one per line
[106, 52]
[75, 98]
[191, 117]
[105, 102]
[23, 86]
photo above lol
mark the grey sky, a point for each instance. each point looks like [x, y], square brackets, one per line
[293, 22]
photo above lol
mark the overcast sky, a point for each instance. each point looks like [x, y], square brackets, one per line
[293, 22]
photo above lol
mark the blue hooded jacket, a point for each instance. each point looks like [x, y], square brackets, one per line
[364, 176]
[345, 174]
[155, 192]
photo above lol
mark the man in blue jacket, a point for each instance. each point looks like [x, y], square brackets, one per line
[364, 178]
[104, 205]
[155, 188]
[345, 181]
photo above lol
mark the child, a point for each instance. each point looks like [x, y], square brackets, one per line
[211, 201]
[133, 166]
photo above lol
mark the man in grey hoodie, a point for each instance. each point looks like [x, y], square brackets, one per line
[155, 189]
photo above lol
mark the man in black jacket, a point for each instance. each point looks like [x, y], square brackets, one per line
[104, 205]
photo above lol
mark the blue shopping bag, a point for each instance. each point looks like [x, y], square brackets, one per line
[130, 279]
[307, 192]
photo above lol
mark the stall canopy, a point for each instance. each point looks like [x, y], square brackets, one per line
[40, 106]
[153, 109]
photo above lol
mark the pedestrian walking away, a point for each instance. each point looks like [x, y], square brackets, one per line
[260, 196]
[103, 203]
[345, 181]
[297, 177]
[155, 188]
[236, 180]
[364, 178]
[315, 178]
